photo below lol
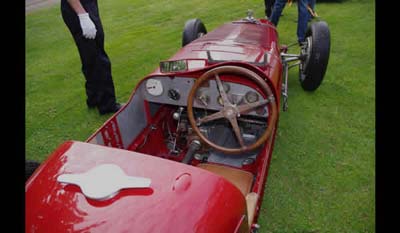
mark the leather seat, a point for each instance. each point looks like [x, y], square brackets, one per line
[243, 180]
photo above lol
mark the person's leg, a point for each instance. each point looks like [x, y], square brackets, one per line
[269, 4]
[106, 99]
[312, 4]
[105, 86]
[86, 49]
[96, 65]
[266, 7]
[303, 18]
[277, 11]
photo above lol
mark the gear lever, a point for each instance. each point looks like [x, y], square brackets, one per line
[193, 147]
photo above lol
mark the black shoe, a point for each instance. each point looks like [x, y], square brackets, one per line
[91, 104]
[111, 109]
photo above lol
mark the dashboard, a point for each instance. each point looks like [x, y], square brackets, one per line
[175, 91]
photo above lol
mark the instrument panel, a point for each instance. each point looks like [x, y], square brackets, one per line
[175, 91]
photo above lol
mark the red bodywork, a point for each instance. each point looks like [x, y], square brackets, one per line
[173, 203]
[181, 198]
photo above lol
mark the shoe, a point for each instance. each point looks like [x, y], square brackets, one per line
[112, 109]
[91, 104]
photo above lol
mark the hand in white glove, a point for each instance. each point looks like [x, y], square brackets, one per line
[87, 25]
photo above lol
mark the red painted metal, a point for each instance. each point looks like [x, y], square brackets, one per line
[181, 198]
[111, 135]
[148, 141]
[243, 42]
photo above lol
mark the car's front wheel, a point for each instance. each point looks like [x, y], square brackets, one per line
[193, 29]
[315, 53]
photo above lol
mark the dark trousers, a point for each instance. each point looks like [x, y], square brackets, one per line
[268, 7]
[96, 65]
[302, 19]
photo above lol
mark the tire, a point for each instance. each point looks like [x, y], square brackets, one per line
[193, 29]
[30, 167]
[316, 55]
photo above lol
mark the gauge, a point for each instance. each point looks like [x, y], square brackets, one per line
[231, 99]
[236, 99]
[202, 97]
[251, 97]
[154, 87]
[174, 94]
[226, 87]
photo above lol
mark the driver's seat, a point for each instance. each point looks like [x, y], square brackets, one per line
[243, 180]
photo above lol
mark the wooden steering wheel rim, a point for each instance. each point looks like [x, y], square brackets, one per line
[237, 71]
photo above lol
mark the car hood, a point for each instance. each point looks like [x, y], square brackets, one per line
[180, 198]
[234, 41]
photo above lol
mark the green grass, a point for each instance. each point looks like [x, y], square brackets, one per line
[322, 174]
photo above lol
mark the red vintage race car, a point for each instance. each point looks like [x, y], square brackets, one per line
[190, 150]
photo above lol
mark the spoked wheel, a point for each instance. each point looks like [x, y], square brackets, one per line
[316, 55]
[193, 29]
[230, 111]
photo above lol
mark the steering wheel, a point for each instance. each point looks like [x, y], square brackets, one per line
[230, 111]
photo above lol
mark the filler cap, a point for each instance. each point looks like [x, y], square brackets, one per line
[104, 181]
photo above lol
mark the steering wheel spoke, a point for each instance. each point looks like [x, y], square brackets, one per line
[236, 129]
[245, 108]
[222, 91]
[214, 116]
[232, 112]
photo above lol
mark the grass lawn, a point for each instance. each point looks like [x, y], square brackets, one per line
[322, 174]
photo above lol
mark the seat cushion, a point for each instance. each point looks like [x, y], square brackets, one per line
[243, 180]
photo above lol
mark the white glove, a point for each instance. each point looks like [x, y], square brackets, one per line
[87, 25]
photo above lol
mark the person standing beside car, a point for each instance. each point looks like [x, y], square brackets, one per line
[303, 16]
[83, 21]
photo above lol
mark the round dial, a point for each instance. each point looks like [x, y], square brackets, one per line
[251, 97]
[226, 87]
[154, 87]
[174, 94]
